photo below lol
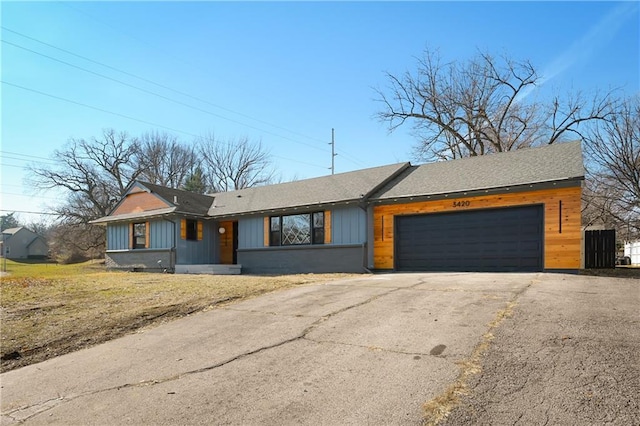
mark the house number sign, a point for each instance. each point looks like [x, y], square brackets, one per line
[460, 204]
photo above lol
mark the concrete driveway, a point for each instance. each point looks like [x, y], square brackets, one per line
[370, 350]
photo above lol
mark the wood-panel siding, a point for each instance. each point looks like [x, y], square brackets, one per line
[139, 202]
[562, 229]
[226, 243]
[327, 227]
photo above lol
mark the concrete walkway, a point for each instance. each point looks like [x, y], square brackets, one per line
[370, 350]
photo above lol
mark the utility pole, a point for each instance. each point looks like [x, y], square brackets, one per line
[333, 151]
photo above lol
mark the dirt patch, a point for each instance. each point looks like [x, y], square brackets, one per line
[620, 272]
[44, 317]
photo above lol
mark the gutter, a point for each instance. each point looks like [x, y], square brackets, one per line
[532, 186]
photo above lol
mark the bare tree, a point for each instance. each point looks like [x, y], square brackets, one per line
[235, 164]
[94, 172]
[76, 242]
[482, 106]
[163, 160]
[613, 149]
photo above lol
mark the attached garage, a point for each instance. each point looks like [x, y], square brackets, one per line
[501, 240]
[512, 211]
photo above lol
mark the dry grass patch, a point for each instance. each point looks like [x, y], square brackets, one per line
[440, 407]
[50, 310]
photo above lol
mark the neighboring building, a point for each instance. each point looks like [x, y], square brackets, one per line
[514, 211]
[632, 251]
[21, 243]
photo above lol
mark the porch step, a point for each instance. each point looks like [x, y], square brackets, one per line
[209, 269]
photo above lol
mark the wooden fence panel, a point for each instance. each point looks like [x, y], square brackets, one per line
[600, 249]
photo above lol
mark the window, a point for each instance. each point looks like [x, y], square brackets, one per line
[274, 231]
[297, 229]
[139, 235]
[192, 230]
[318, 228]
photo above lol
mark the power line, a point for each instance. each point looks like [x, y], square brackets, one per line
[146, 80]
[117, 114]
[158, 95]
[345, 154]
[24, 155]
[96, 108]
[13, 165]
[11, 157]
[30, 196]
[29, 212]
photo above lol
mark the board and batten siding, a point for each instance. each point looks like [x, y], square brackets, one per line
[562, 221]
[197, 252]
[160, 235]
[342, 226]
[118, 236]
[348, 225]
[251, 232]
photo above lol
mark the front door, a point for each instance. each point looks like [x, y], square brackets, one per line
[228, 232]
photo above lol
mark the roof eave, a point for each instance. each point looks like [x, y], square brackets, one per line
[478, 191]
[292, 209]
[132, 216]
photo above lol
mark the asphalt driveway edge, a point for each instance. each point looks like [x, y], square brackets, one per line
[438, 408]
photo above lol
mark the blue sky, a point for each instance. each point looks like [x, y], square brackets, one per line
[281, 73]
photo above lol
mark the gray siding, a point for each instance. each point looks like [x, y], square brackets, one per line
[197, 252]
[161, 234]
[251, 232]
[349, 225]
[164, 235]
[303, 259]
[118, 236]
[141, 260]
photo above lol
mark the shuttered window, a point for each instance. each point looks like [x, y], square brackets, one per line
[191, 230]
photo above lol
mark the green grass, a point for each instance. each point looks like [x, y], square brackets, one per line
[48, 270]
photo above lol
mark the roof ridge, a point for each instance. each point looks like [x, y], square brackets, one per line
[334, 176]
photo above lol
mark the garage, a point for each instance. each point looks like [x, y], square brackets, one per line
[500, 239]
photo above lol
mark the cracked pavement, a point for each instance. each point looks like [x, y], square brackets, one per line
[368, 350]
[569, 355]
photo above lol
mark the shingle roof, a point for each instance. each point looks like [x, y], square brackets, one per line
[12, 231]
[557, 162]
[338, 188]
[552, 163]
[185, 201]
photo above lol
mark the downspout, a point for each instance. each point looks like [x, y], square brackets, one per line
[365, 246]
[173, 253]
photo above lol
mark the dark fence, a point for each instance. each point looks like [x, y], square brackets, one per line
[600, 249]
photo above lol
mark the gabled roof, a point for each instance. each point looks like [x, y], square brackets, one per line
[341, 188]
[184, 201]
[176, 201]
[11, 231]
[532, 166]
[37, 238]
[551, 163]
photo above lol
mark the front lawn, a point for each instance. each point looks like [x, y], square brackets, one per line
[47, 309]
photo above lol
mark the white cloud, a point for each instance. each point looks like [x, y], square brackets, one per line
[594, 40]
